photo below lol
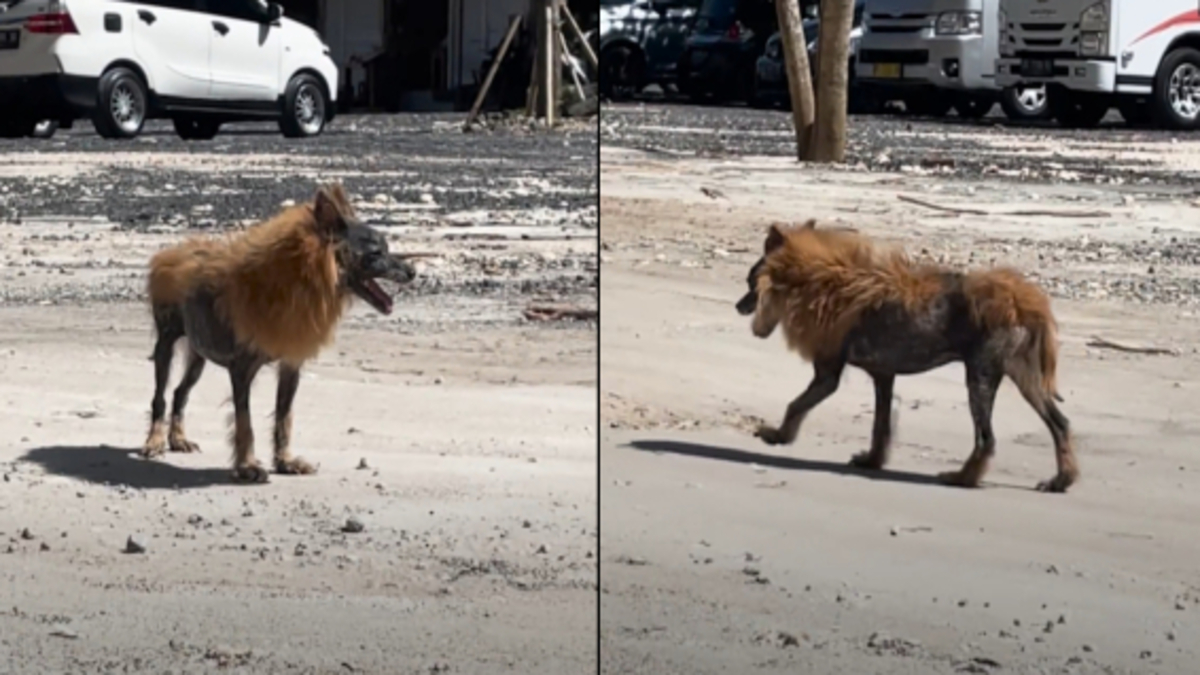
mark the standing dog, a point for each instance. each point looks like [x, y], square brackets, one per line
[843, 301]
[272, 293]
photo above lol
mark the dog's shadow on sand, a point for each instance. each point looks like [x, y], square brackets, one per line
[779, 462]
[104, 464]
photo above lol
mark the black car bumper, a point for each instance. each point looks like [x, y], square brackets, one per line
[713, 68]
[44, 97]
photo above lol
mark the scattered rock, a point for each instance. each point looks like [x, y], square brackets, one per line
[134, 544]
[353, 525]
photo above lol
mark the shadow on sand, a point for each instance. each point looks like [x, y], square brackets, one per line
[790, 463]
[122, 466]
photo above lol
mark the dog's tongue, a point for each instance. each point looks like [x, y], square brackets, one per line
[384, 300]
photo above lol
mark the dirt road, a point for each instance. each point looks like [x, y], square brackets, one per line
[452, 525]
[722, 555]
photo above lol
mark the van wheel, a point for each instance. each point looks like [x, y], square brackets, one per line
[121, 104]
[305, 107]
[1025, 104]
[1176, 98]
[196, 128]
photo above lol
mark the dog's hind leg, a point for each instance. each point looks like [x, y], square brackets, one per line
[825, 381]
[881, 433]
[983, 380]
[169, 327]
[177, 439]
[289, 381]
[1060, 431]
[242, 370]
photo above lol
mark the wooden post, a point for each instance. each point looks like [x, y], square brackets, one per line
[587, 48]
[550, 64]
[799, 74]
[833, 58]
[487, 81]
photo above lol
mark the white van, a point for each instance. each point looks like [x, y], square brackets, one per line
[200, 63]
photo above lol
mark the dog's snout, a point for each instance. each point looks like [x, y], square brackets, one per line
[746, 305]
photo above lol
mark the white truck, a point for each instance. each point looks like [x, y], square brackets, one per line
[1140, 56]
[936, 55]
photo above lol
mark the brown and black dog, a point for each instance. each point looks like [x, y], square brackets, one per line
[843, 300]
[274, 293]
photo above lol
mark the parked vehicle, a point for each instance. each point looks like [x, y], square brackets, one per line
[640, 42]
[770, 73]
[720, 54]
[200, 63]
[935, 55]
[1141, 58]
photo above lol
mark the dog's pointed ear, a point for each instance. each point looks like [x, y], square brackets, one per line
[338, 193]
[810, 224]
[328, 211]
[774, 239]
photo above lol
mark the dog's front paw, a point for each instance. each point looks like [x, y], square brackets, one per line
[1059, 483]
[867, 460]
[181, 444]
[251, 472]
[771, 435]
[294, 466]
[962, 479]
[156, 446]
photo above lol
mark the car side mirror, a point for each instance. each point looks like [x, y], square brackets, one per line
[274, 12]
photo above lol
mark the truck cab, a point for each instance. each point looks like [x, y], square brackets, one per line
[935, 55]
[1142, 58]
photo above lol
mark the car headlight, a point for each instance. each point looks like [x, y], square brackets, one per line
[1093, 43]
[1094, 17]
[959, 23]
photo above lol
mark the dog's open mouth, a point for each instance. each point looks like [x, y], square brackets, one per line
[370, 291]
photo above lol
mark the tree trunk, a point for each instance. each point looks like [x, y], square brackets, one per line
[833, 60]
[799, 75]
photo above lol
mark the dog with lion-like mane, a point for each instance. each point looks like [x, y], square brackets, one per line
[841, 299]
[273, 293]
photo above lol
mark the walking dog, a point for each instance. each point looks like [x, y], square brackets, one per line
[274, 293]
[841, 300]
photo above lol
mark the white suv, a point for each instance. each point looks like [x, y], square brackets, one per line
[199, 63]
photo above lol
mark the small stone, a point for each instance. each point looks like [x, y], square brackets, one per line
[44, 546]
[26, 534]
[353, 525]
[1087, 648]
[542, 550]
[362, 464]
[1146, 653]
[134, 544]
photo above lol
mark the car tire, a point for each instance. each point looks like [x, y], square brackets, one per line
[621, 73]
[122, 103]
[1025, 104]
[305, 107]
[1077, 110]
[973, 107]
[196, 128]
[1176, 87]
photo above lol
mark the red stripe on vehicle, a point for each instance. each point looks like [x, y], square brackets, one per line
[1192, 16]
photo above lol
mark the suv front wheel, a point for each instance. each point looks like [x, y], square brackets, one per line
[121, 104]
[304, 107]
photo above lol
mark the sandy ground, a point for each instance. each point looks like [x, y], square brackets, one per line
[723, 555]
[452, 526]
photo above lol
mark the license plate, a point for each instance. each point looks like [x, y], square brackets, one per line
[10, 39]
[1037, 67]
[890, 70]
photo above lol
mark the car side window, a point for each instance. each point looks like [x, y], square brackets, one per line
[248, 10]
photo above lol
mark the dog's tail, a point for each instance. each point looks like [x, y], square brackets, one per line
[1016, 314]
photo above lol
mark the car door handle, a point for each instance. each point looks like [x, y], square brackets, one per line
[221, 28]
[147, 16]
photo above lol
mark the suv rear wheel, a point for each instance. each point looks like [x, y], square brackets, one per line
[121, 104]
[196, 128]
[304, 107]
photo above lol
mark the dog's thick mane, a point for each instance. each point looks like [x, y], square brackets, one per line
[827, 278]
[277, 283]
